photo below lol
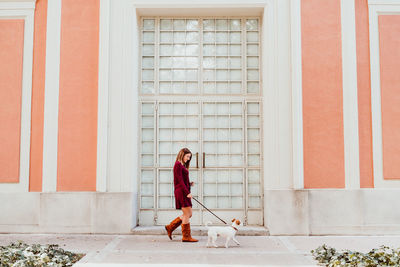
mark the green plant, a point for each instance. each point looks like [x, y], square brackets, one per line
[20, 254]
[382, 256]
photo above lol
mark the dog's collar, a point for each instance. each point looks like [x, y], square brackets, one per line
[234, 228]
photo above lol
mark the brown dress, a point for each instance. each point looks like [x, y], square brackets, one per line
[181, 186]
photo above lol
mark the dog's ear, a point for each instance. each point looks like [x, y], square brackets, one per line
[233, 219]
[237, 222]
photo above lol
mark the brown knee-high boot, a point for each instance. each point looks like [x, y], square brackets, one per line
[172, 226]
[186, 237]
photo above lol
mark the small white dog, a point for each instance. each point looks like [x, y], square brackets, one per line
[225, 231]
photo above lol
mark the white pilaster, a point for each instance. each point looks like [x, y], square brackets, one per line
[350, 100]
[51, 93]
[102, 108]
[297, 97]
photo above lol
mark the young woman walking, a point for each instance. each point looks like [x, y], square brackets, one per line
[182, 196]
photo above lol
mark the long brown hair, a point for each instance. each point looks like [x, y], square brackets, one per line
[181, 154]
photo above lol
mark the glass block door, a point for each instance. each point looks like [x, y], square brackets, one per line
[200, 88]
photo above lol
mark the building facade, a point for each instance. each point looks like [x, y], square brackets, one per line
[290, 109]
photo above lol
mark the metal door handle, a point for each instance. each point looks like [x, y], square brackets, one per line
[204, 159]
[197, 160]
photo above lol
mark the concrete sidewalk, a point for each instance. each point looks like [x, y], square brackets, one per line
[158, 250]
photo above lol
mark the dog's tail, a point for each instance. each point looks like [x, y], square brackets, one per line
[207, 223]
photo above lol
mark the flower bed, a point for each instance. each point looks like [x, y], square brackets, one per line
[21, 254]
[383, 256]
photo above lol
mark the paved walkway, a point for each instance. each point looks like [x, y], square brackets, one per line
[156, 250]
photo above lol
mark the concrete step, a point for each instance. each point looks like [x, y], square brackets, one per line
[199, 230]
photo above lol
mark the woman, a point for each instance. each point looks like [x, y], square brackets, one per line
[182, 195]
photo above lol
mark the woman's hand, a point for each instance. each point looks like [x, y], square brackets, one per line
[191, 183]
[189, 196]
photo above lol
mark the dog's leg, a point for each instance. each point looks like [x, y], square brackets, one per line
[208, 240]
[214, 238]
[227, 241]
[237, 242]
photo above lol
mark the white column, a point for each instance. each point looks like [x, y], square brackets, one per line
[350, 100]
[51, 92]
[102, 109]
[297, 100]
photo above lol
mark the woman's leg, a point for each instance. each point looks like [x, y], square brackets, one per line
[187, 214]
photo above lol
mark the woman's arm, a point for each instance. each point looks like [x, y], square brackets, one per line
[179, 178]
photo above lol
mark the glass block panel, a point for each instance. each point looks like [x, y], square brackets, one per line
[147, 176]
[179, 50]
[148, 37]
[209, 37]
[235, 50]
[209, 176]
[223, 189]
[165, 87]
[209, 25]
[252, 37]
[209, 62]
[210, 202]
[192, 25]
[235, 62]
[235, 75]
[254, 202]
[222, 50]
[252, 62]
[147, 147]
[192, 62]
[253, 176]
[254, 190]
[147, 122]
[252, 75]
[236, 134]
[179, 37]
[179, 24]
[147, 75]
[166, 176]
[148, 50]
[208, 50]
[147, 87]
[235, 24]
[236, 176]
[252, 24]
[253, 134]
[236, 87]
[147, 160]
[210, 189]
[235, 37]
[236, 147]
[147, 202]
[222, 62]
[166, 24]
[237, 202]
[222, 37]
[253, 108]
[165, 203]
[146, 189]
[254, 160]
[253, 147]
[222, 24]
[252, 49]
[236, 190]
[165, 189]
[166, 37]
[148, 62]
[253, 121]
[224, 203]
[223, 176]
[252, 87]
[148, 24]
